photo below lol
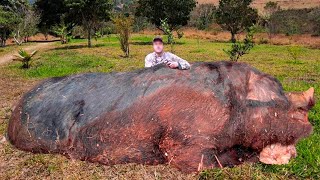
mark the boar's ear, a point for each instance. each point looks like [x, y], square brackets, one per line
[303, 100]
[309, 96]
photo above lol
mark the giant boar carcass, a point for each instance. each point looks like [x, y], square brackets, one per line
[214, 115]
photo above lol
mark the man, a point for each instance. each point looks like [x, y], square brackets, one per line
[161, 57]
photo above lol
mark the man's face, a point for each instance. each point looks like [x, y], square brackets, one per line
[158, 46]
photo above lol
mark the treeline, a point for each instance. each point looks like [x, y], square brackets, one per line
[296, 21]
[95, 18]
[274, 19]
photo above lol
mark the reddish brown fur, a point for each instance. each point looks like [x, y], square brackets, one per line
[217, 114]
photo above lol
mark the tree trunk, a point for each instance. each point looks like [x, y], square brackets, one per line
[233, 37]
[89, 37]
[3, 41]
[128, 50]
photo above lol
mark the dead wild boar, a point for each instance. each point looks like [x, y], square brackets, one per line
[214, 115]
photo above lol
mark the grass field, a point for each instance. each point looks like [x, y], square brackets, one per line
[297, 67]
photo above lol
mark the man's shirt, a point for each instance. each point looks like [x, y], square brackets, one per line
[153, 59]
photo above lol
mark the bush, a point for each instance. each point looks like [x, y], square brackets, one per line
[239, 49]
[123, 25]
[25, 57]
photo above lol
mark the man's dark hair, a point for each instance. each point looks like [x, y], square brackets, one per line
[157, 39]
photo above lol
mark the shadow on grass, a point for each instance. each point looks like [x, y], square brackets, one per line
[79, 47]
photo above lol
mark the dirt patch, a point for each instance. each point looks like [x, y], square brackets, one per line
[38, 46]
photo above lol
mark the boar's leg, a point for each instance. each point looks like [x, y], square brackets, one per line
[191, 159]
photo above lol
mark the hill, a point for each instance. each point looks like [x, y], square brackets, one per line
[284, 4]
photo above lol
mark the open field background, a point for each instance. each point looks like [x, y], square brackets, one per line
[284, 4]
[296, 73]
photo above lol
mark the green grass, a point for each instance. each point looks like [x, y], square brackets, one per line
[62, 63]
[295, 73]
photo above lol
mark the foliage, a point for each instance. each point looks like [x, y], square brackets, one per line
[62, 31]
[239, 49]
[294, 52]
[78, 32]
[50, 12]
[167, 31]
[140, 23]
[89, 13]
[202, 16]
[123, 26]
[27, 26]
[235, 16]
[270, 8]
[10, 17]
[8, 20]
[314, 17]
[170, 34]
[177, 12]
[271, 59]
[297, 21]
[25, 57]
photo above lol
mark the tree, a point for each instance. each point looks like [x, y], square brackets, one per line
[235, 16]
[10, 17]
[123, 26]
[202, 16]
[177, 12]
[270, 8]
[89, 13]
[27, 26]
[8, 21]
[50, 12]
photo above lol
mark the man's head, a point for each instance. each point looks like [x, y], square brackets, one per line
[158, 45]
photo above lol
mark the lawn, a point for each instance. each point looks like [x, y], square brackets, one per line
[298, 68]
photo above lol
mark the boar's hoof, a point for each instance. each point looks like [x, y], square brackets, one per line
[277, 154]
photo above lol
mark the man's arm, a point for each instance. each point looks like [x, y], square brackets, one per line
[148, 62]
[183, 64]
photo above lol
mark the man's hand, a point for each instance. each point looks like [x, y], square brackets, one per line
[173, 65]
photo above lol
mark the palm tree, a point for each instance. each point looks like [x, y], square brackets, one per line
[25, 57]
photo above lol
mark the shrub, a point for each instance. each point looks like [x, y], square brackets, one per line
[62, 31]
[25, 57]
[123, 25]
[239, 49]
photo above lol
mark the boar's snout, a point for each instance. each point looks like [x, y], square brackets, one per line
[304, 100]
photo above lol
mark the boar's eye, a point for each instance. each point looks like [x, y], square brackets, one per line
[300, 114]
